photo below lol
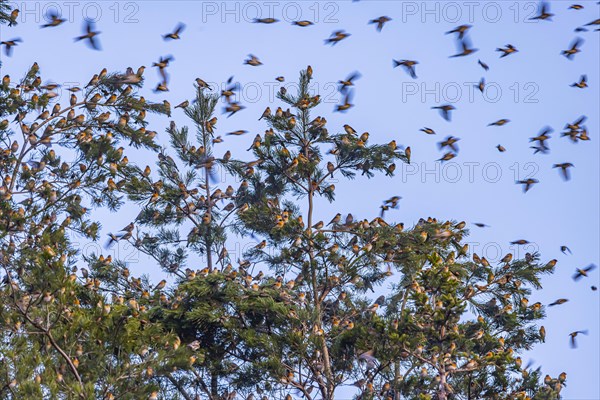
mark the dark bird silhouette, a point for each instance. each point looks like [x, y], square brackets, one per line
[564, 249]
[90, 35]
[349, 81]
[336, 37]
[483, 65]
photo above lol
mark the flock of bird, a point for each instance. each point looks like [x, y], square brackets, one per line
[575, 131]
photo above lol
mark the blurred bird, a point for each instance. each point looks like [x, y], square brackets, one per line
[500, 122]
[253, 61]
[9, 44]
[501, 148]
[583, 272]
[574, 49]
[483, 65]
[380, 22]
[445, 111]
[349, 81]
[461, 30]
[55, 20]
[450, 141]
[528, 184]
[162, 64]
[573, 335]
[336, 36]
[508, 50]
[544, 13]
[582, 82]
[302, 23]
[564, 168]
[575, 7]
[368, 358]
[175, 34]
[481, 85]
[447, 157]
[428, 131]
[564, 249]
[480, 225]
[408, 65]
[265, 20]
[90, 35]
[466, 49]
[520, 242]
[558, 302]
[347, 102]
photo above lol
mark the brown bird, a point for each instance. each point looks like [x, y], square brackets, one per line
[508, 50]
[461, 30]
[465, 44]
[302, 23]
[501, 148]
[558, 302]
[336, 37]
[408, 65]
[520, 242]
[349, 81]
[265, 20]
[380, 22]
[573, 335]
[445, 111]
[544, 12]
[55, 20]
[582, 82]
[583, 272]
[564, 167]
[175, 34]
[528, 183]
[90, 35]
[253, 61]
[9, 44]
[574, 49]
[450, 141]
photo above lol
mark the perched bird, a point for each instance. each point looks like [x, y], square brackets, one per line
[544, 13]
[253, 61]
[508, 50]
[483, 65]
[582, 82]
[14, 14]
[9, 44]
[528, 184]
[380, 22]
[336, 37]
[183, 104]
[90, 35]
[564, 249]
[445, 111]
[573, 335]
[408, 65]
[564, 168]
[574, 49]
[583, 272]
[175, 34]
[55, 20]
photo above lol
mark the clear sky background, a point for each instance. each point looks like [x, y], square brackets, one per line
[531, 88]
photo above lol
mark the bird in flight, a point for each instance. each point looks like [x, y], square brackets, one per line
[461, 30]
[380, 22]
[527, 184]
[9, 44]
[508, 50]
[408, 65]
[336, 37]
[564, 169]
[55, 20]
[445, 111]
[583, 272]
[175, 34]
[544, 13]
[582, 82]
[574, 49]
[90, 35]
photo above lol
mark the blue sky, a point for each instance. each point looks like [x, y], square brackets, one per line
[531, 88]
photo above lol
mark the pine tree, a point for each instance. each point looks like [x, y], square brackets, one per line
[63, 335]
